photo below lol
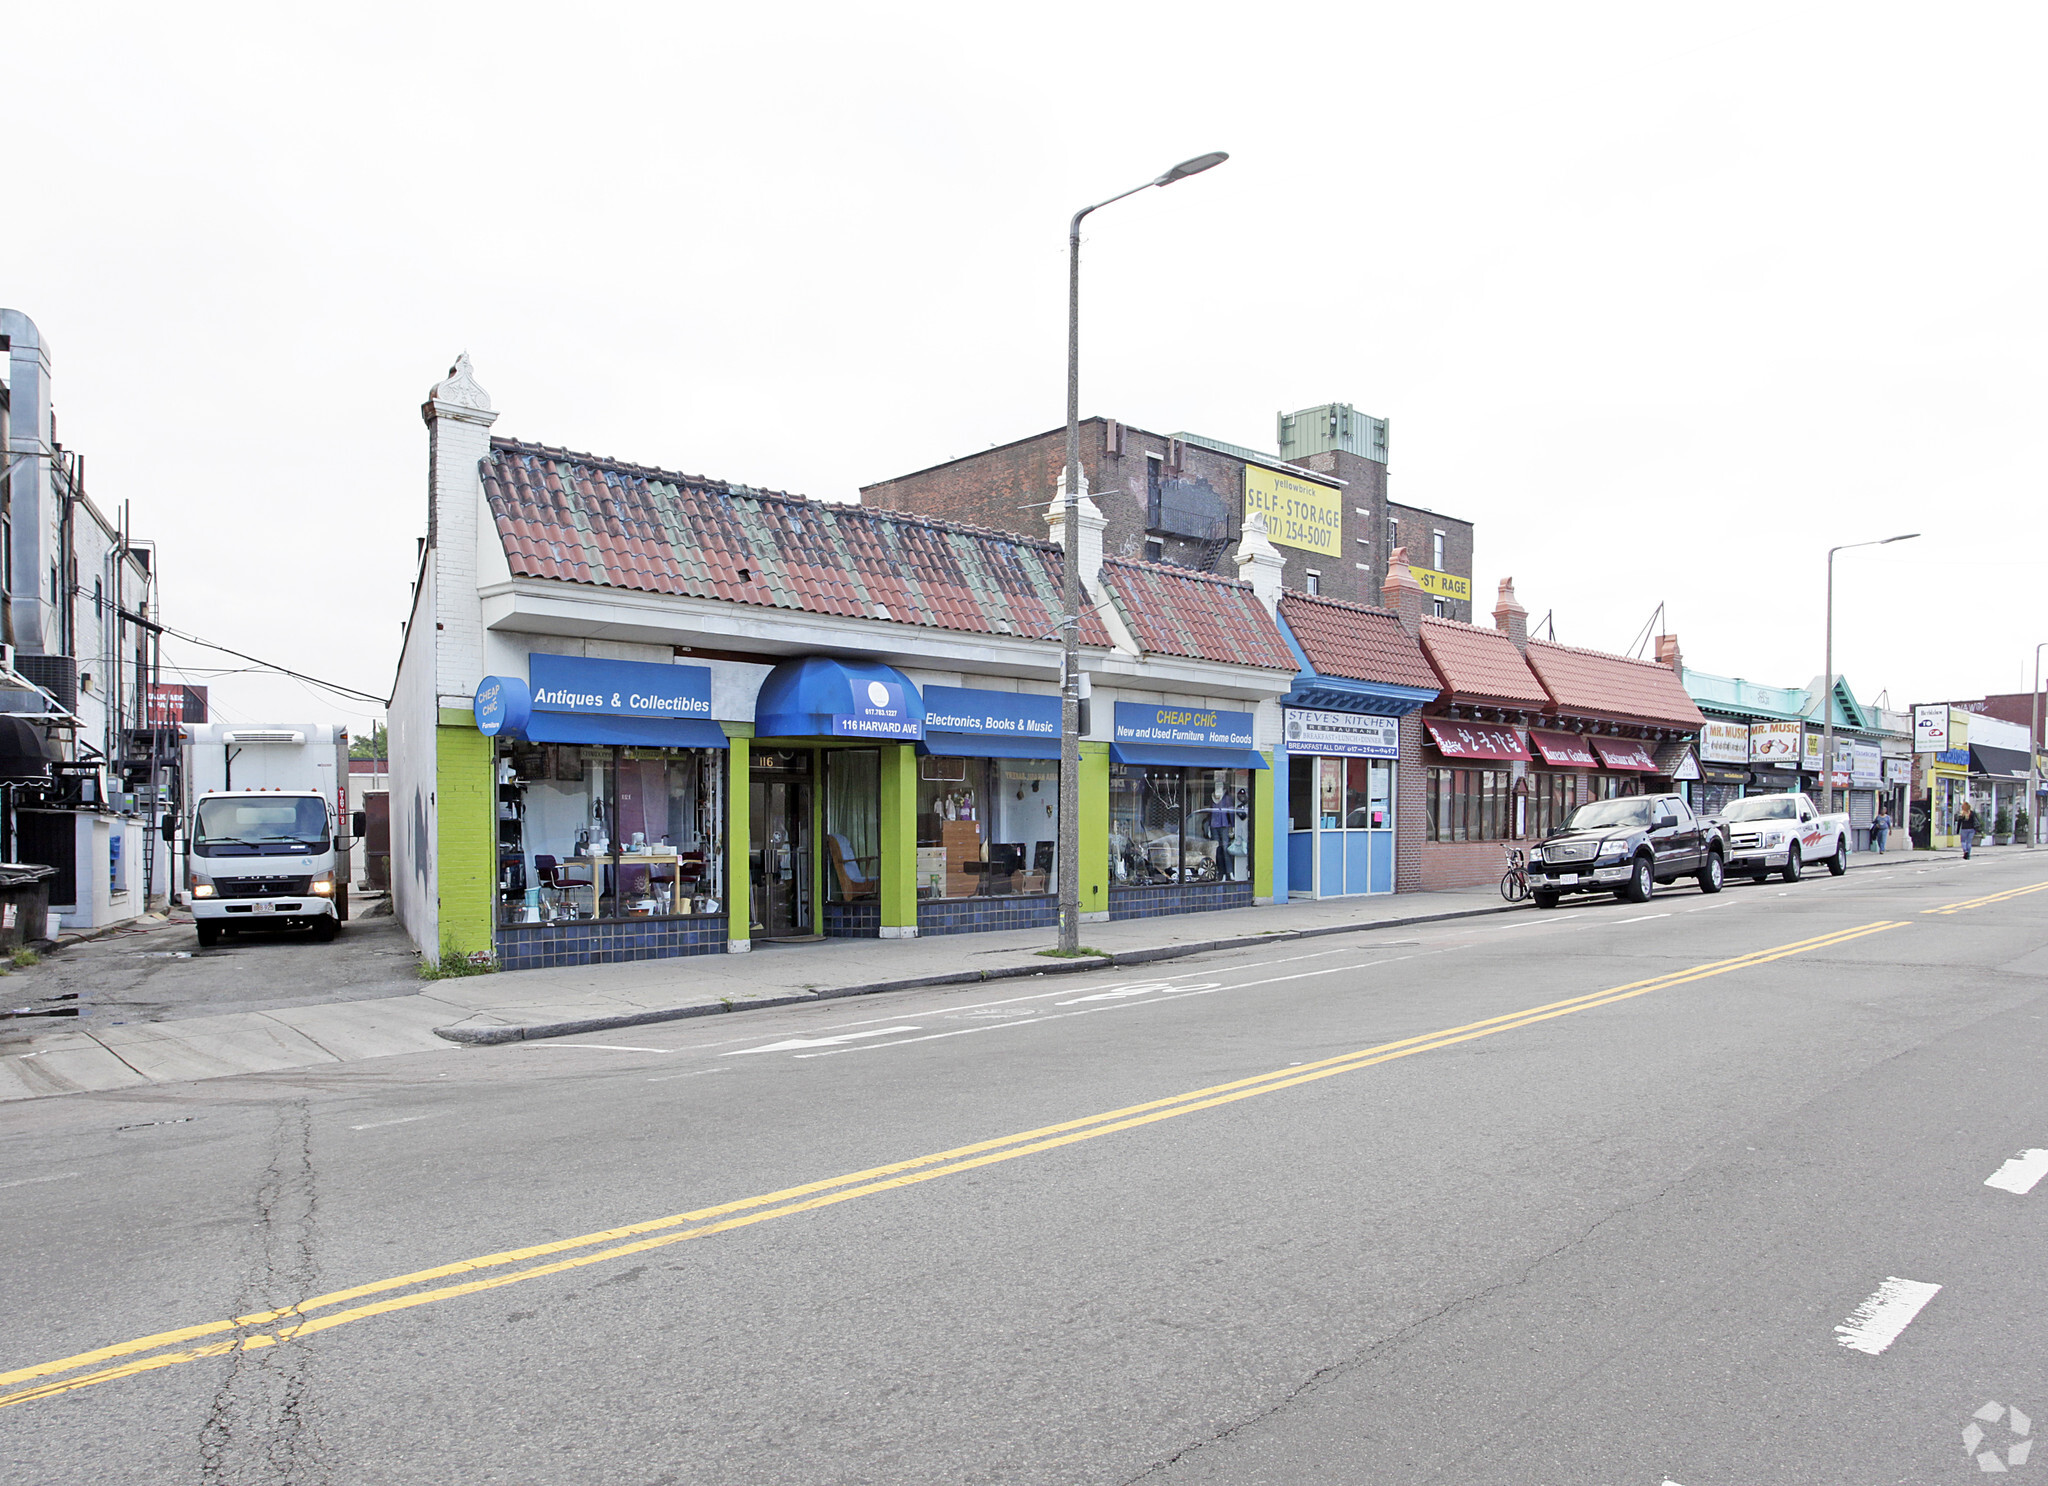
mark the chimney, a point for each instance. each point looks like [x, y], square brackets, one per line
[1509, 617]
[1092, 521]
[1401, 593]
[459, 418]
[1667, 653]
[1258, 564]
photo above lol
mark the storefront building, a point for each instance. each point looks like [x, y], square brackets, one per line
[642, 714]
[1521, 733]
[1361, 674]
[1941, 774]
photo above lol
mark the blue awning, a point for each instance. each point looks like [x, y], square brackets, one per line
[632, 732]
[1187, 758]
[820, 698]
[989, 745]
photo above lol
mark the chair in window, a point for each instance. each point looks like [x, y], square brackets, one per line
[856, 874]
[556, 879]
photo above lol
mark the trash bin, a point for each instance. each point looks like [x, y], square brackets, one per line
[24, 904]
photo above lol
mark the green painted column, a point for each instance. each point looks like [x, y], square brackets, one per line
[465, 837]
[1266, 786]
[739, 831]
[1094, 832]
[899, 841]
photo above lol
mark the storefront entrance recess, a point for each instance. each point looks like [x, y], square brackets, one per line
[779, 853]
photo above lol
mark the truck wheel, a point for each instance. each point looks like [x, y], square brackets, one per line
[1839, 862]
[1794, 868]
[1713, 874]
[325, 930]
[1641, 883]
[1545, 900]
[209, 933]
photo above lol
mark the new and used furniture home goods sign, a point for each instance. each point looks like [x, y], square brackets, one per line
[1139, 722]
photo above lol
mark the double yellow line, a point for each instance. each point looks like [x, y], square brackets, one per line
[261, 1328]
[2018, 892]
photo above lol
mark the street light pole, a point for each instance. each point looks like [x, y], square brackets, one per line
[2034, 752]
[1068, 867]
[1827, 695]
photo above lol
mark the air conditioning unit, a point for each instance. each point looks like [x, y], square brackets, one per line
[55, 674]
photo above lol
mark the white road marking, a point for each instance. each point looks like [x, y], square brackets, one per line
[1643, 920]
[793, 1043]
[30, 1181]
[1876, 1324]
[2020, 1173]
[693, 1073]
[1142, 988]
[1538, 924]
[380, 1124]
[604, 1047]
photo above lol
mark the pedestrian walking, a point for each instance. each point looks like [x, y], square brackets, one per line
[1966, 826]
[1880, 829]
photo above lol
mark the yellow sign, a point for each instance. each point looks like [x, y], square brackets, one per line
[1299, 513]
[1443, 585]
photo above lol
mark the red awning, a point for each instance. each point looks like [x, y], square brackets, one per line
[1566, 750]
[1463, 740]
[1625, 753]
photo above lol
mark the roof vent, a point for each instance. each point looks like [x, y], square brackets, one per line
[262, 735]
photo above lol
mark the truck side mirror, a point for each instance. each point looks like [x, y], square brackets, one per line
[359, 823]
[169, 827]
[1667, 821]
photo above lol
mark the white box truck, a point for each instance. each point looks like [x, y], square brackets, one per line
[267, 827]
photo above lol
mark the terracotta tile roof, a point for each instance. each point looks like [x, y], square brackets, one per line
[580, 519]
[1175, 611]
[1672, 755]
[1592, 681]
[1480, 665]
[1355, 641]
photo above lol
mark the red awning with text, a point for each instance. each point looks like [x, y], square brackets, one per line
[1566, 750]
[1625, 753]
[1463, 740]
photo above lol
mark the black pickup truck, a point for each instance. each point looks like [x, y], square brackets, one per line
[1627, 846]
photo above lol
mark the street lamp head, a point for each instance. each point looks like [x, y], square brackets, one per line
[1905, 538]
[1195, 166]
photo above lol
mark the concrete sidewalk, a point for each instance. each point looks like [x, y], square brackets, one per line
[516, 1005]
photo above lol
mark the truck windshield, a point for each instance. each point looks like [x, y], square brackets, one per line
[1635, 812]
[1761, 807]
[277, 824]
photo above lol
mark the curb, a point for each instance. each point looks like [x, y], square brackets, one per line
[495, 1036]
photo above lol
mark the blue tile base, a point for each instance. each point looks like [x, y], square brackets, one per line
[606, 941]
[1194, 897]
[857, 920]
[975, 915]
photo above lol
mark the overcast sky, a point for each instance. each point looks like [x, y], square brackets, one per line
[1666, 300]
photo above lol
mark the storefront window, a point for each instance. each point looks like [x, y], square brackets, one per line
[1170, 825]
[1552, 797]
[853, 823]
[986, 826]
[604, 832]
[1468, 804]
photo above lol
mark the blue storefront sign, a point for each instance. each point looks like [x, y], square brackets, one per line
[618, 688]
[965, 722]
[1144, 734]
[571, 699]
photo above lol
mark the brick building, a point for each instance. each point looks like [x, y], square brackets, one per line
[1182, 499]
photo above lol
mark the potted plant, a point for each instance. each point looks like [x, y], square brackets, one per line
[2001, 826]
[2022, 825]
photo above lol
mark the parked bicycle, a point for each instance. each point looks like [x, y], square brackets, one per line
[1514, 883]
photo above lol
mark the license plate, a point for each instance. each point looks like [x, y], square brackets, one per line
[263, 908]
[1568, 879]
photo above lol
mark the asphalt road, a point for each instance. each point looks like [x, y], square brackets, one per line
[1583, 1196]
[159, 973]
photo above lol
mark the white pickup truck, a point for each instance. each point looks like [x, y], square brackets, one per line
[1782, 834]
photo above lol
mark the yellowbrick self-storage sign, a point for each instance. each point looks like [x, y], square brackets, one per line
[1299, 513]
